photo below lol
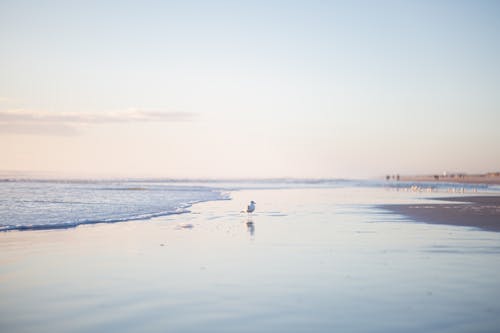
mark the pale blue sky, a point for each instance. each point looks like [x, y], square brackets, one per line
[314, 89]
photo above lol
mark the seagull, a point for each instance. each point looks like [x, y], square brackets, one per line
[251, 207]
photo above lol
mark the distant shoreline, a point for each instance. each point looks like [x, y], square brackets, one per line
[475, 211]
[487, 178]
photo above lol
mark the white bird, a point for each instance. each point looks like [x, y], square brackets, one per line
[251, 207]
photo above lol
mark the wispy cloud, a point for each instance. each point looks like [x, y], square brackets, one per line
[131, 115]
[67, 123]
[49, 129]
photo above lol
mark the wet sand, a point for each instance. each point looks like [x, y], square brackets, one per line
[308, 260]
[475, 211]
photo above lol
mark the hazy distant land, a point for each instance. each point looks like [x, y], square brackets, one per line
[485, 178]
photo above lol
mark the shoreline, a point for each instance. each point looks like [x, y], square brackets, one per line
[305, 256]
[483, 179]
[481, 212]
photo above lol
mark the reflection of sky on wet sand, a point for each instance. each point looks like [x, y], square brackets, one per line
[322, 260]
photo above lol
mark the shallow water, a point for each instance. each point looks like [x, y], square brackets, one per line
[309, 260]
[62, 204]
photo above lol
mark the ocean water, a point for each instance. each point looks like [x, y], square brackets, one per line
[313, 258]
[60, 204]
[45, 204]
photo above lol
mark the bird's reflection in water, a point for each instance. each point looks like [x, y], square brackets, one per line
[251, 227]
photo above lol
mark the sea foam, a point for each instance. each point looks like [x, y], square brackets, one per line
[27, 205]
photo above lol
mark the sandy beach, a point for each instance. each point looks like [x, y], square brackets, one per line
[469, 211]
[488, 179]
[308, 260]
